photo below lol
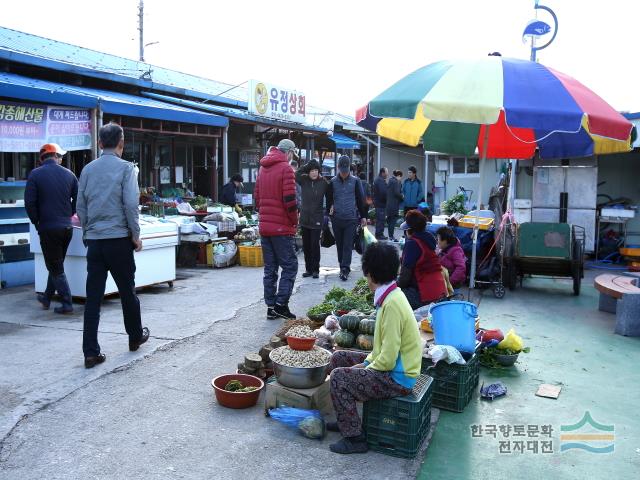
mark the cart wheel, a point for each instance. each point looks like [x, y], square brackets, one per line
[170, 284]
[499, 291]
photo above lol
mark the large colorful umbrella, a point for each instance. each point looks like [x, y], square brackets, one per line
[497, 107]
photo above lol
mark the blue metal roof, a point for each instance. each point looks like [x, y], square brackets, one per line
[631, 115]
[234, 113]
[342, 141]
[24, 88]
[39, 51]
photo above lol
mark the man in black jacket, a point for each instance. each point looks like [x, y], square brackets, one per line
[50, 201]
[313, 191]
[380, 201]
[229, 191]
[394, 199]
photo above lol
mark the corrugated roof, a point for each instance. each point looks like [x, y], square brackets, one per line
[24, 88]
[231, 112]
[31, 49]
[34, 50]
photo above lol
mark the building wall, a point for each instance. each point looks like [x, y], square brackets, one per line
[445, 184]
[620, 174]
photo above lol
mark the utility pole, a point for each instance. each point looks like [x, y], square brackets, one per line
[141, 28]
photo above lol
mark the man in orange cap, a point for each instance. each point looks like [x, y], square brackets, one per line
[50, 201]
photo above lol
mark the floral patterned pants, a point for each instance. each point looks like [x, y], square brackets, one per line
[351, 385]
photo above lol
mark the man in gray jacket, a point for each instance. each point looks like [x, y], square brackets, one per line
[347, 207]
[107, 206]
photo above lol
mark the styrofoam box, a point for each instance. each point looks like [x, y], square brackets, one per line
[618, 212]
[521, 203]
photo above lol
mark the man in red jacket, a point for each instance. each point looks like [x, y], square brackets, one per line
[275, 195]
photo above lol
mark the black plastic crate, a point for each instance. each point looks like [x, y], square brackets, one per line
[15, 253]
[454, 384]
[397, 426]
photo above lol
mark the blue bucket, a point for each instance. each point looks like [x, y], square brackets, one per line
[454, 323]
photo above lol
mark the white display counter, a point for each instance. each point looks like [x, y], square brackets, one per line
[155, 263]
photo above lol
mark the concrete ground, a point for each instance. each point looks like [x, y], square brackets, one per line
[572, 345]
[152, 413]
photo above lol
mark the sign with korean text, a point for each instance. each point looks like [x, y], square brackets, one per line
[279, 103]
[26, 127]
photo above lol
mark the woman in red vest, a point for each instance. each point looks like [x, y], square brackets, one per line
[420, 277]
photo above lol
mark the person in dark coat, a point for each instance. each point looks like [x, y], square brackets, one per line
[380, 201]
[420, 277]
[229, 191]
[50, 200]
[313, 192]
[394, 199]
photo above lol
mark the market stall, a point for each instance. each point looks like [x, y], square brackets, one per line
[155, 263]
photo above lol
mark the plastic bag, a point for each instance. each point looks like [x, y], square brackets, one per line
[369, 237]
[332, 323]
[358, 241]
[445, 352]
[492, 391]
[511, 341]
[308, 422]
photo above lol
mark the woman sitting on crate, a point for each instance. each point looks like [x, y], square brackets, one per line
[452, 256]
[392, 367]
[421, 275]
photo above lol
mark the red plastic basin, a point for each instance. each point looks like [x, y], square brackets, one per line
[237, 399]
[300, 343]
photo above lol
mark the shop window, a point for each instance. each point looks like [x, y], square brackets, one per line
[465, 166]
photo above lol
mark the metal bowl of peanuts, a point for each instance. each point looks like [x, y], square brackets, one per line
[300, 368]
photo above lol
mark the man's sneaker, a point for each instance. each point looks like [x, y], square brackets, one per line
[394, 239]
[306, 274]
[344, 275]
[271, 314]
[316, 274]
[382, 238]
[283, 311]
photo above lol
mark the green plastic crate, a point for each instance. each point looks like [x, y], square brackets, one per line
[453, 384]
[397, 426]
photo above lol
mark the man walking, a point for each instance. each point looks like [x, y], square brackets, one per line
[380, 201]
[275, 195]
[412, 190]
[50, 201]
[108, 199]
[347, 207]
[394, 199]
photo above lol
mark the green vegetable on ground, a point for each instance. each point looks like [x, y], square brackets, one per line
[335, 294]
[324, 307]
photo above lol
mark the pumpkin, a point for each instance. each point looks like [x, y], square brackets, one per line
[349, 322]
[364, 342]
[367, 326]
[344, 339]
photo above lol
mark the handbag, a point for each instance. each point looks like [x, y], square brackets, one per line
[327, 239]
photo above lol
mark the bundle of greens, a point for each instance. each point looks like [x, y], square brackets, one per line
[335, 294]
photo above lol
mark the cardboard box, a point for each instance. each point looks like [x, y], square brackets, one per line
[318, 398]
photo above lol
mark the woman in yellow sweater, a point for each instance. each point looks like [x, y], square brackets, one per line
[393, 366]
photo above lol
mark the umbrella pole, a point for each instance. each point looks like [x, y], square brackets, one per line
[474, 254]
